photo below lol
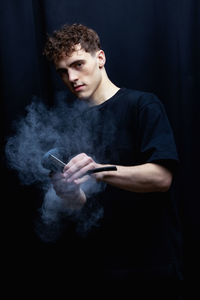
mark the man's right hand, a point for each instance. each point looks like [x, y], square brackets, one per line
[70, 193]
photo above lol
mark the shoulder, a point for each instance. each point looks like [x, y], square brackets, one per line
[139, 98]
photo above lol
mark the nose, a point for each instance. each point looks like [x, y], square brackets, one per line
[72, 76]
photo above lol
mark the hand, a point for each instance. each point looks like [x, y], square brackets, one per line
[75, 170]
[71, 193]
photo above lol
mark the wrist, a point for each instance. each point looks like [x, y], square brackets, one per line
[110, 171]
[74, 201]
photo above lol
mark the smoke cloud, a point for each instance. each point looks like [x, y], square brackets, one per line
[42, 129]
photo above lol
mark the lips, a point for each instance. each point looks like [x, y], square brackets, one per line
[78, 87]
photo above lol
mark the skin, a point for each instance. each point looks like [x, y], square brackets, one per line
[85, 75]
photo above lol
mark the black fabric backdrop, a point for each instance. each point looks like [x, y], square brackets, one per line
[150, 45]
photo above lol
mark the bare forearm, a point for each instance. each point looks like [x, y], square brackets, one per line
[144, 178]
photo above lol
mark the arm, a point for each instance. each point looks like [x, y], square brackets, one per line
[146, 178]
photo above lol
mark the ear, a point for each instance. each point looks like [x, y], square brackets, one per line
[101, 58]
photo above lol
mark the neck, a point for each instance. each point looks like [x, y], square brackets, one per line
[105, 90]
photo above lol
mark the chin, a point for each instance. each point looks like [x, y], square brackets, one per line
[83, 96]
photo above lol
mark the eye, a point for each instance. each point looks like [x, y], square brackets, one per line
[79, 65]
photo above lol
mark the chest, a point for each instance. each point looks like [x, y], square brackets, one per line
[111, 137]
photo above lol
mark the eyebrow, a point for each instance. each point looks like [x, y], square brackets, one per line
[77, 61]
[73, 63]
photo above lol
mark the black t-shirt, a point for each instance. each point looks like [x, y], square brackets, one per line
[133, 229]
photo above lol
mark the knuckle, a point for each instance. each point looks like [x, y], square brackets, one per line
[89, 159]
[83, 156]
[91, 165]
[74, 159]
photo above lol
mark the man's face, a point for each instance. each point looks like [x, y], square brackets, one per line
[81, 72]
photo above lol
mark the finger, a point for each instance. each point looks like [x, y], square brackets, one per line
[57, 178]
[81, 173]
[75, 160]
[82, 179]
[79, 166]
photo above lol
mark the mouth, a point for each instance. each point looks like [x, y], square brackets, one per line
[78, 88]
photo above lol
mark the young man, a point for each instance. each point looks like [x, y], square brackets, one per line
[137, 236]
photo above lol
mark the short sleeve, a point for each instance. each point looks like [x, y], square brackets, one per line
[156, 139]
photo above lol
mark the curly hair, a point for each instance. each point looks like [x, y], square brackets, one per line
[65, 40]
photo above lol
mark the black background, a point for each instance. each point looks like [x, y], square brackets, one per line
[150, 45]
